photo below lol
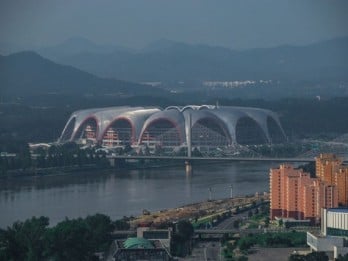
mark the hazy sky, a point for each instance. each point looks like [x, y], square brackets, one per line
[135, 23]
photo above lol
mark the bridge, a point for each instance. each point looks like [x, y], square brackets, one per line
[338, 146]
[252, 230]
[191, 159]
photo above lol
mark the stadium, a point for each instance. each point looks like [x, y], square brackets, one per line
[199, 126]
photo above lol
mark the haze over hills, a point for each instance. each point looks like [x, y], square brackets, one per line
[46, 91]
[166, 60]
[27, 74]
[78, 45]
[315, 70]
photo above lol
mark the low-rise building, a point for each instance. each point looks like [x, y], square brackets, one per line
[149, 244]
[134, 249]
[333, 237]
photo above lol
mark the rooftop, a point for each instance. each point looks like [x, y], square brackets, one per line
[340, 210]
[135, 242]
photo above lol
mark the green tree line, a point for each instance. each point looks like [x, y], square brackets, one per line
[300, 117]
[68, 154]
[71, 239]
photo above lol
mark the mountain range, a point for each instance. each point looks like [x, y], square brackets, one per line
[79, 69]
[27, 74]
[166, 60]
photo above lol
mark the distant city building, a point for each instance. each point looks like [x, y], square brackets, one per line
[206, 125]
[329, 169]
[333, 237]
[294, 194]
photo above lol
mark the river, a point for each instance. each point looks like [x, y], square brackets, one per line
[121, 193]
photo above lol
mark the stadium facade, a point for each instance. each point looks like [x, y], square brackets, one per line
[205, 125]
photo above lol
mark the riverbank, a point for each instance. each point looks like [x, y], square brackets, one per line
[65, 170]
[197, 212]
[52, 171]
[123, 192]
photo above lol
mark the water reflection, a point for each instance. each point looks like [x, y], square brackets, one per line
[126, 192]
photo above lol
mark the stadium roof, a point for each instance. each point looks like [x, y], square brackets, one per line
[135, 125]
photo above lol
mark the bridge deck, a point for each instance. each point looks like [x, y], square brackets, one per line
[184, 158]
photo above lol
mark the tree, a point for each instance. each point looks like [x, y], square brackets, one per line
[127, 148]
[34, 232]
[245, 243]
[24, 155]
[264, 208]
[41, 157]
[185, 229]
[309, 168]
[70, 240]
[12, 247]
[146, 150]
[181, 240]
[24, 241]
[177, 246]
[100, 227]
[76, 239]
[280, 222]
[121, 224]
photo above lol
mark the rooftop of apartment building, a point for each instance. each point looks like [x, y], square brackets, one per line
[339, 210]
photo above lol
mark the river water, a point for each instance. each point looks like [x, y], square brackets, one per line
[121, 193]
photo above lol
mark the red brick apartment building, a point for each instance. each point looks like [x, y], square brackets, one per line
[294, 194]
[329, 169]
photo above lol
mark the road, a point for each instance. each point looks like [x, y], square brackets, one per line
[212, 251]
[229, 222]
[205, 251]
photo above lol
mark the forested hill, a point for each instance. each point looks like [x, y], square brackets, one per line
[27, 74]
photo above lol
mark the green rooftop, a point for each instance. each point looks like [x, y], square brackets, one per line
[135, 242]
